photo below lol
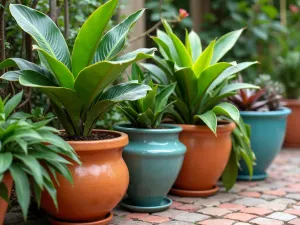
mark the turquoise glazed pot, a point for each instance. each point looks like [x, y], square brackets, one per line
[154, 158]
[267, 135]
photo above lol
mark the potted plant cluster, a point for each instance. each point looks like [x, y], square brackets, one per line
[288, 74]
[78, 88]
[154, 155]
[26, 160]
[207, 121]
[261, 109]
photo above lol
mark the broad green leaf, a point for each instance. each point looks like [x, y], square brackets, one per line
[216, 100]
[130, 114]
[224, 44]
[163, 48]
[22, 188]
[210, 119]
[126, 92]
[89, 36]
[204, 59]
[195, 45]
[168, 41]
[228, 110]
[12, 103]
[237, 86]
[34, 166]
[23, 144]
[43, 30]
[11, 75]
[20, 116]
[163, 96]
[62, 169]
[187, 83]
[182, 109]
[156, 71]
[22, 133]
[145, 119]
[38, 193]
[6, 159]
[94, 79]
[53, 139]
[49, 156]
[4, 192]
[113, 41]
[62, 73]
[148, 102]
[230, 173]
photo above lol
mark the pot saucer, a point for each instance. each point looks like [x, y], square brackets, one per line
[253, 178]
[99, 222]
[190, 193]
[127, 204]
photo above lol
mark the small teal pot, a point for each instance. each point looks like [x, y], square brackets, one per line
[154, 158]
[267, 135]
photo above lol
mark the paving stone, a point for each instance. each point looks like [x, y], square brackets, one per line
[284, 201]
[293, 211]
[295, 222]
[256, 211]
[223, 197]
[282, 216]
[177, 223]
[217, 222]
[188, 200]
[120, 212]
[266, 221]
[155, 219]
[171, 213]
[232, 207]
[191, 217]
[249, 201]
[175, 204]
[268, 197]
[189, 207]
[251, 194]
[275, 192]
[244, 217]
[273, 206]
[293, 196]
[207, 202]
[213, 211]
[240, 223]
[136, 215]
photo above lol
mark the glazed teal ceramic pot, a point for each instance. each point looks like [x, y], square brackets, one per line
[267, 135]
[154, 158]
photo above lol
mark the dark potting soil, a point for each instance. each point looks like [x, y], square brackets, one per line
[93, 137]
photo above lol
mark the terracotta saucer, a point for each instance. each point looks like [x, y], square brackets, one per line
[189, 193]
[99, 222]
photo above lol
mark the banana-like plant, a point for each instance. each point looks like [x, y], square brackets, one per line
[203, 85]
[78, 84]
[148, 112]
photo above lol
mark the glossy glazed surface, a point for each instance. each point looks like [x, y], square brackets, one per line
[99, 184]
[206, 156]
[154, 158]
[8, 181]
[292, 137]
[267, 135]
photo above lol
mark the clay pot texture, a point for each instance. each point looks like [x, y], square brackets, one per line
[8, 181]
[292, 137]
[267, 135]
[99, 184]
[206, 156]
[154, 158]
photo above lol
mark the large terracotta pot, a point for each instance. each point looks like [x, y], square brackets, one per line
[99, 184]
[8, 181]
[292, 137]
[205, 159]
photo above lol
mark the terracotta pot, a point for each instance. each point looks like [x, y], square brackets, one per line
[292, 137]
[205, 159]
[99, 184]
[8, 181]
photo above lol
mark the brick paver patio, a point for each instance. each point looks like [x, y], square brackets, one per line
[275, 201]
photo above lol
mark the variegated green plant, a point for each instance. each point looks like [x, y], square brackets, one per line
[203, 83]
[77, 84]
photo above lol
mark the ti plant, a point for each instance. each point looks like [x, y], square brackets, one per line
[148, 111]
[289, 74]
[266, 99]
[78, 84]
[24, 154]
[203, 85]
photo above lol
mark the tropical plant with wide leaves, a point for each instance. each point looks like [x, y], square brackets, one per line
[148, 112]
[26, 156]
[77, 84]
[203, 83]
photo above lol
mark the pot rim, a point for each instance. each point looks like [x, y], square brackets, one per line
[171, 129]
[291, 102]
[91, 145]
[283, 111]
[221, 128]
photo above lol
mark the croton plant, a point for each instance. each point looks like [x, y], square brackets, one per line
[203, 84]
[78, 83]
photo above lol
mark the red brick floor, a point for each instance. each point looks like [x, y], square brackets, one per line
[275, 201]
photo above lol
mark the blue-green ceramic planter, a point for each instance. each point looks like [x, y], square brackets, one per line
[267, 135]
[154, 158]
